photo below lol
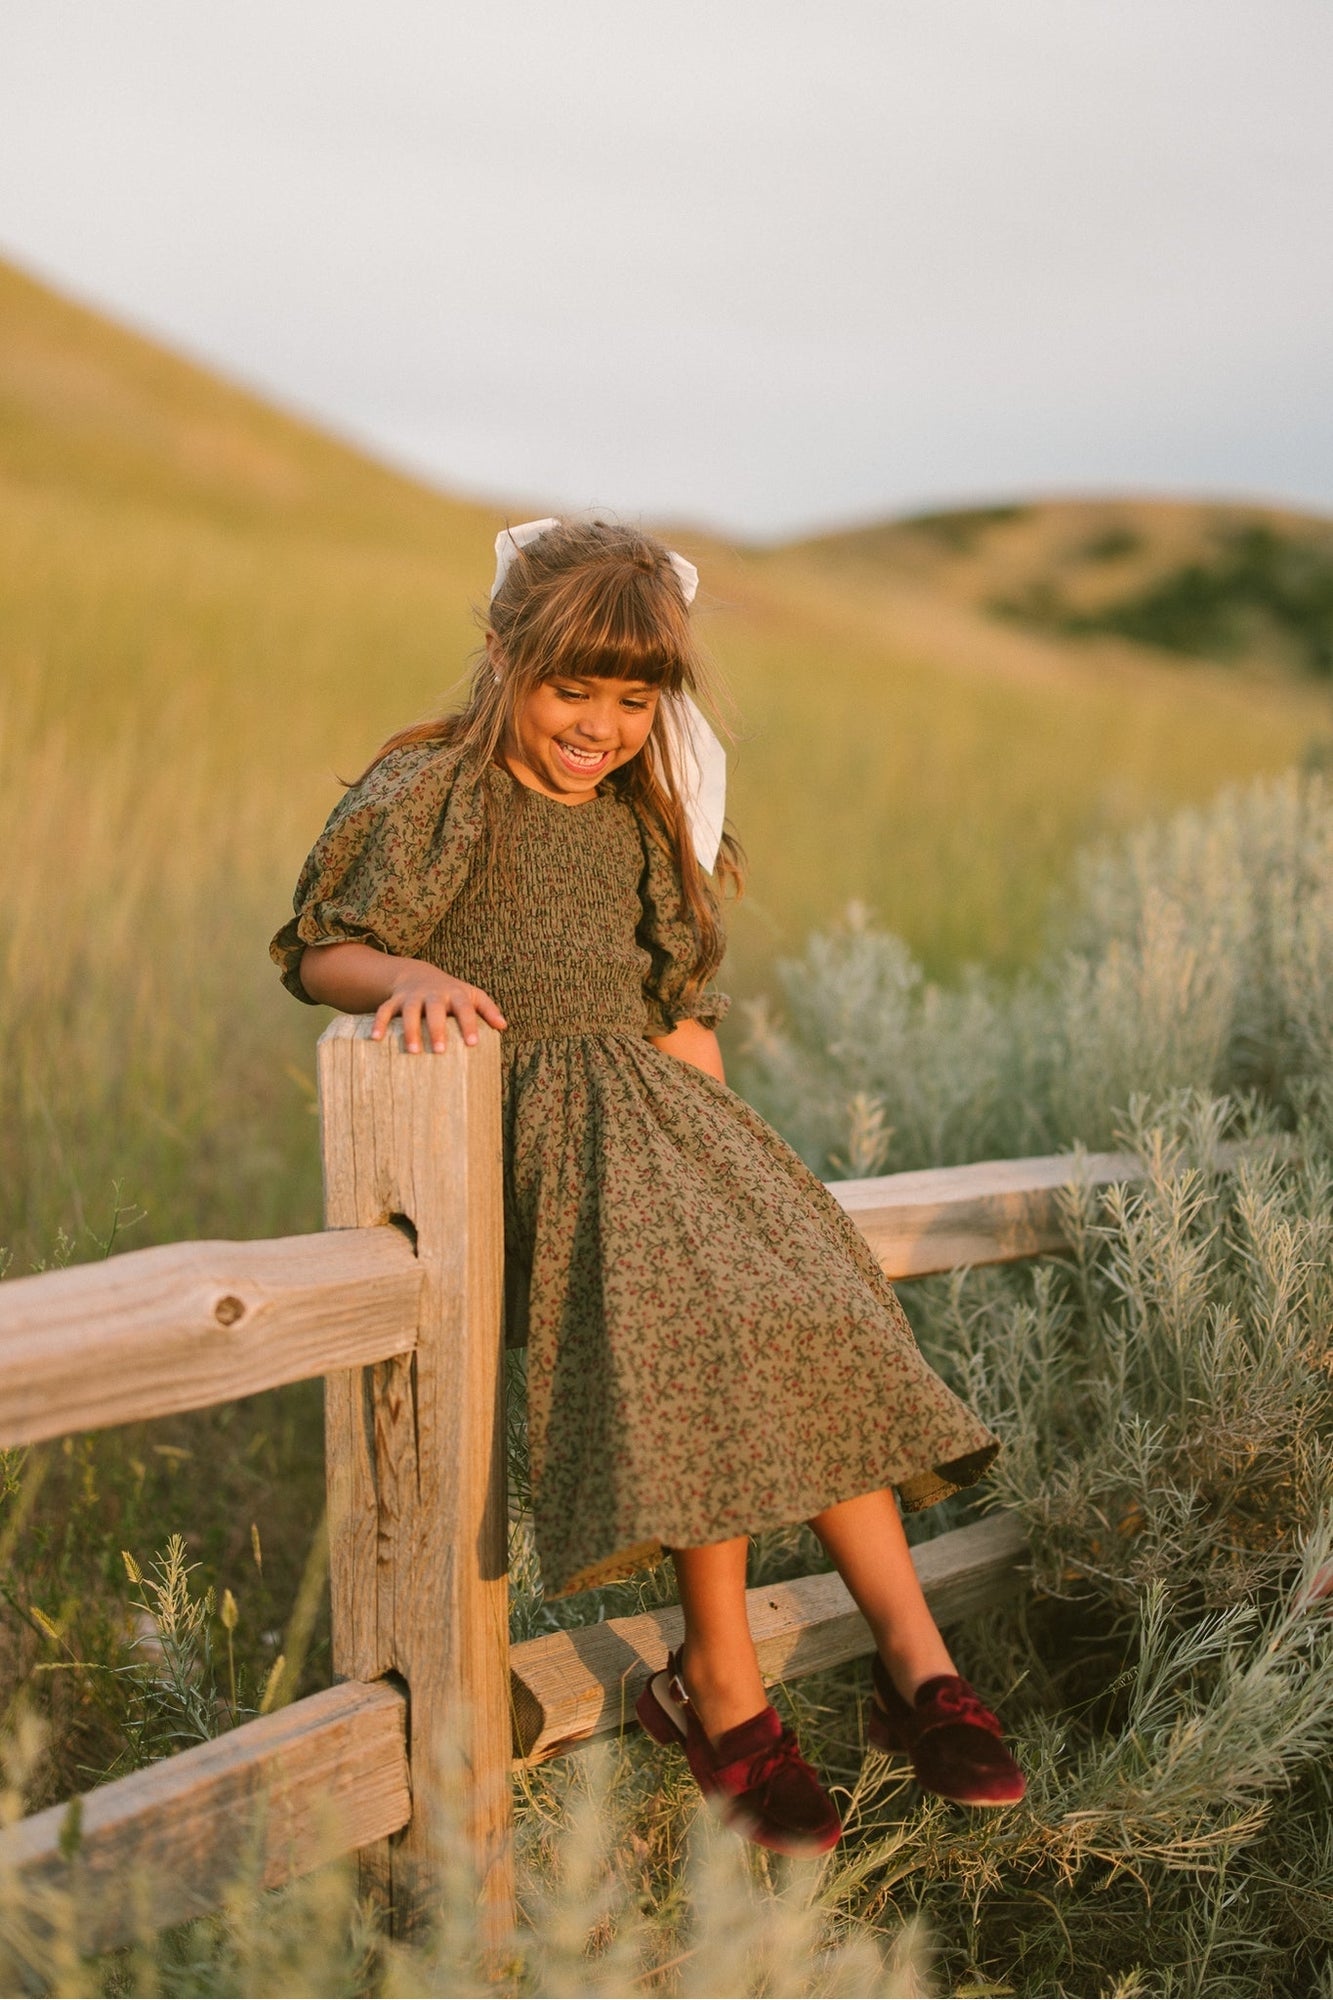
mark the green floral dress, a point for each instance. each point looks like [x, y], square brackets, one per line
[713, 1349]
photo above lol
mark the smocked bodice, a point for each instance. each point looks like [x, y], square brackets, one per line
[545, 921]
[573, 918]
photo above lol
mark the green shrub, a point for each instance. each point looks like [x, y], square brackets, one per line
[1196, 954]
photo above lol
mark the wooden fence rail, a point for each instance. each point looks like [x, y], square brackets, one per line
[397, 1303]
[155, 1332]
[268, 1801]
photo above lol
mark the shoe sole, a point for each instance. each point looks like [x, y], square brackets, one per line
[775, 1843]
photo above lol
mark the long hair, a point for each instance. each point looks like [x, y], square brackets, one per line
[597, 601]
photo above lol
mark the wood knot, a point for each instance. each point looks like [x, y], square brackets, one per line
[228, 1310]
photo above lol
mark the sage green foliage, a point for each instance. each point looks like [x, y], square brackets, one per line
[1166, 1400]
[1165, 1394]
[172, 1689]
[1196, 953]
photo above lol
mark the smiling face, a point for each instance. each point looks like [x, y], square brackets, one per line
[570, 733]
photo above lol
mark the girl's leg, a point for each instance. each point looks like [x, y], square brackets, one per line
[718, 1665]
[866, 1541]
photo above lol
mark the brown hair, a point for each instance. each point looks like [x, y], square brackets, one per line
[594, 600]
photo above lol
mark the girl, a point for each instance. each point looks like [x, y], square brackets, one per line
[713, 1350]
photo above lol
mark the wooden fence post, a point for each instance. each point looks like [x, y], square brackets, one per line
[415, 1450]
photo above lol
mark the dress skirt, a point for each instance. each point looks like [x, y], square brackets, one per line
[713, 1349]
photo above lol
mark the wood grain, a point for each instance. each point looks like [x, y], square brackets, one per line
[271, 1800]
[154, 1332]
[414, 1448]
[991, 1212]
[568, 1686]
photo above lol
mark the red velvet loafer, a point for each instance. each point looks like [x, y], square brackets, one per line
[953, 1740]
[766, 1790]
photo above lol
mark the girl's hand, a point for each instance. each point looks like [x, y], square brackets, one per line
[359, 979]
[423, 994]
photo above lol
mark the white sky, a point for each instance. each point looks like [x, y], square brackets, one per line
[764, 264]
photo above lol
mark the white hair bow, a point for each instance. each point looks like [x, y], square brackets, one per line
[698, 759]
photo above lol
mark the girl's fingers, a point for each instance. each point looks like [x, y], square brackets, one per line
[466, 1016]
[412, 1025]
[384, 1013]
[437, 1020]
[429, 1012]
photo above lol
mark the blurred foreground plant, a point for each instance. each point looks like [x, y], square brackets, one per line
[721, 1923]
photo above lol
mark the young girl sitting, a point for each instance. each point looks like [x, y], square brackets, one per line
[713, 1350]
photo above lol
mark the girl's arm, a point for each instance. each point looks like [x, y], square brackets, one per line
[358, 979]
[692, 1043]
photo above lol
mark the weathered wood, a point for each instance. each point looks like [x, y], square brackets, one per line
[158, 1331]
[270, 1800]
[568, 1686]
[992, 1212]
[414, 1448]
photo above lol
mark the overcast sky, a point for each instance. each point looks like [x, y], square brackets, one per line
[764, 264]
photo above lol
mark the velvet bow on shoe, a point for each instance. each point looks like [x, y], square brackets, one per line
[954, 1741]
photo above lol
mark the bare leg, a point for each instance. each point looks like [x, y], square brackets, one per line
[865, 1538]
[719, 1665]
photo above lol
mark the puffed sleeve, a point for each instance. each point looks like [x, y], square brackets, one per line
[391, 859]
[678, 985]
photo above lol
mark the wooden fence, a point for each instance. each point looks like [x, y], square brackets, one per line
[397, 1304]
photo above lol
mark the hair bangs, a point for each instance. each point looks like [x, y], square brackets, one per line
[600, 622]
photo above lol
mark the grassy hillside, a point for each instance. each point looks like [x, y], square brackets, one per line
[1243, 584]
[210, 609]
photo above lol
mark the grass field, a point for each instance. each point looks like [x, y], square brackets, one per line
[210, 610]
